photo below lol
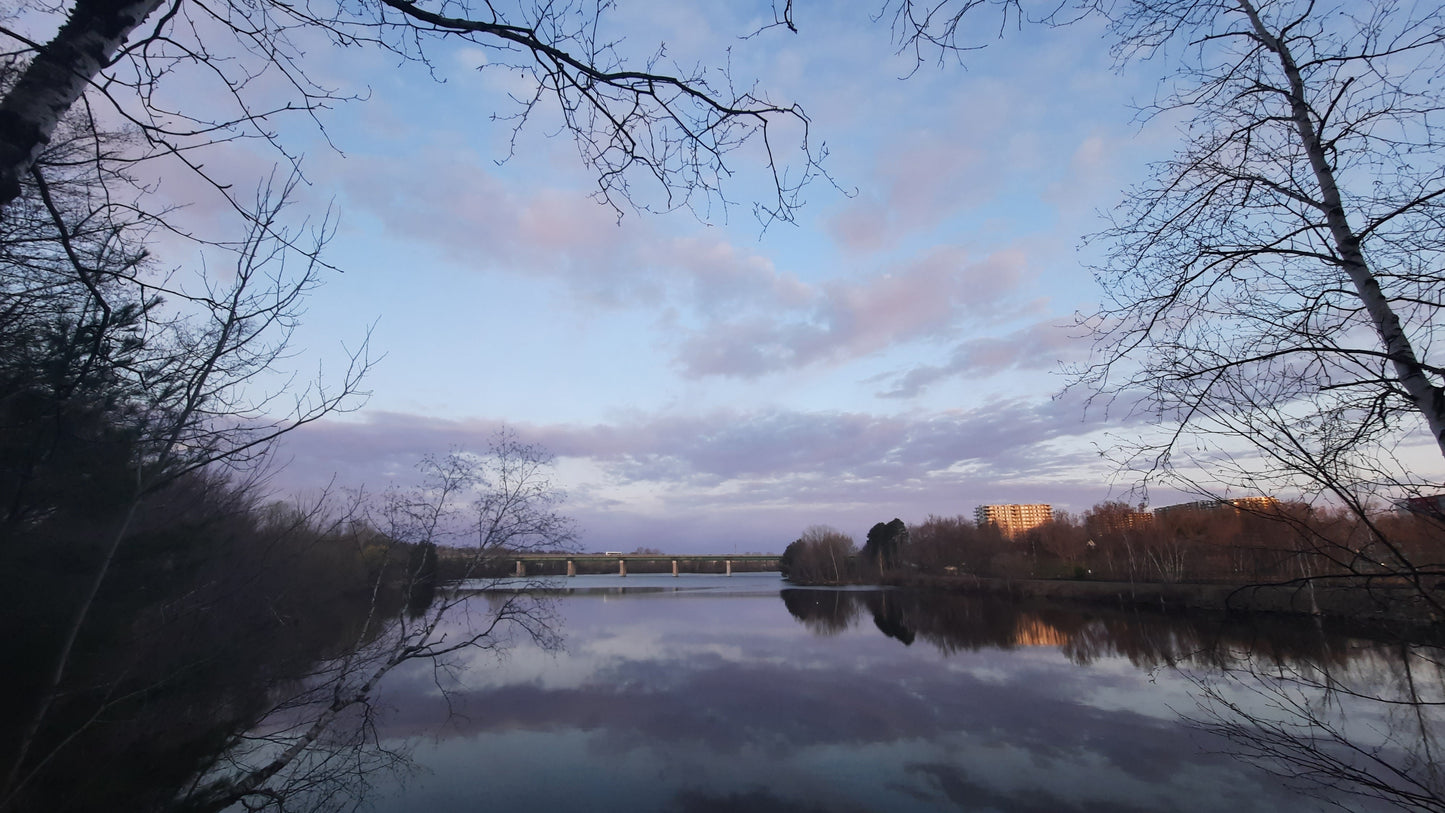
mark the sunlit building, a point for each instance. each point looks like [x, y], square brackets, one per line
[1116, 523]
[1012, 520]
[1255, 504]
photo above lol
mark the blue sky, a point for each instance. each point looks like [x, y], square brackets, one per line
[706, 382]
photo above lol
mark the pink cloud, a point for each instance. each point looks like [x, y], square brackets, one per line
[918, 183]
[721, 445]
[1042, 345]
[716, 469]
[742, 315]
[721, 276]
[929, 297]
[469, 214]
[738, 475]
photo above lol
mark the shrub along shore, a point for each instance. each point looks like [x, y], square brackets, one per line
[1377, 602]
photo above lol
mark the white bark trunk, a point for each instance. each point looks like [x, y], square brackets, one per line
[1427, 398]
[56, 78]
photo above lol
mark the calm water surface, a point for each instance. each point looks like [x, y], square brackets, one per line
[706, 693]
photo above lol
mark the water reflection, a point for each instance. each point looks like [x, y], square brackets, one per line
[706, 694]
[878, 700]
[1338, 716]
[954, 623]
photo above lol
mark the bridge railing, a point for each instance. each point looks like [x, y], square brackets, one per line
[558, 564]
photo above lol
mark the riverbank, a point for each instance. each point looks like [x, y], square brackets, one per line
[1361, 603]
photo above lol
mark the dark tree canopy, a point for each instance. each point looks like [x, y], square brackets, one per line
[886, 540]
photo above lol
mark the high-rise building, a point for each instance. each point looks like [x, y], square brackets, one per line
[1249, 504]
[1118, 521]
[1013, 519]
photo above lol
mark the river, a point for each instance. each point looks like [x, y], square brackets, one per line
[706, 693]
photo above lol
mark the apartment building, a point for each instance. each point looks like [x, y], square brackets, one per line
[1253, 504]
[1013, 519]
[1118, 522]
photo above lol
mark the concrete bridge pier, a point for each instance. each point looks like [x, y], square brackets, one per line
[729, 563]
[674, 568]
[571, 568]
[622, 567]
[521, 569]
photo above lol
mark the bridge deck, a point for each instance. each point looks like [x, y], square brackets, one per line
[695, 561]
[659, 557]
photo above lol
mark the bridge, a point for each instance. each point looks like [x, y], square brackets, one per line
[764, 561]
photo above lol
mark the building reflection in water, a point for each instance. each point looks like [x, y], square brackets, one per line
[1360, 717]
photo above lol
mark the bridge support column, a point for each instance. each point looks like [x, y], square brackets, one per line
[674, 568]
[571, 568]
[521, 569]
[622, 567]
[730, 566]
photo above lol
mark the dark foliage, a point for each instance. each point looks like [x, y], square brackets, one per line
[213, 603]
[885, 541]
[822, 555]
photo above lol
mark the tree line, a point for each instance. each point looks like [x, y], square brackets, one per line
[1265, 543]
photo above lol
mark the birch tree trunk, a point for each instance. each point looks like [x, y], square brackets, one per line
[1427, 398]
[57, 77]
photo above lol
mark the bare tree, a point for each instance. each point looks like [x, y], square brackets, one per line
[314, 749]
[637, 124]
[1273, 292]
[823, 554]
[193, 391]
[1358, 537]
[1288, 256]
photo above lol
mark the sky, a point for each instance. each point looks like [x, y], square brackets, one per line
[706, 382]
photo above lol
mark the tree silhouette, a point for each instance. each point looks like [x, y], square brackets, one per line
[635, 125]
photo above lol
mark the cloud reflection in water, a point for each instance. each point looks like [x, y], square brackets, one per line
[832, 701]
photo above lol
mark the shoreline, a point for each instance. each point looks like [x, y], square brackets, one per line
[1378, 604]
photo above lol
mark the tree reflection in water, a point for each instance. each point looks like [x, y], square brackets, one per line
[317, 748]
[824, 612]
[1340, 716]
[223, 695]
[1368, 728]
